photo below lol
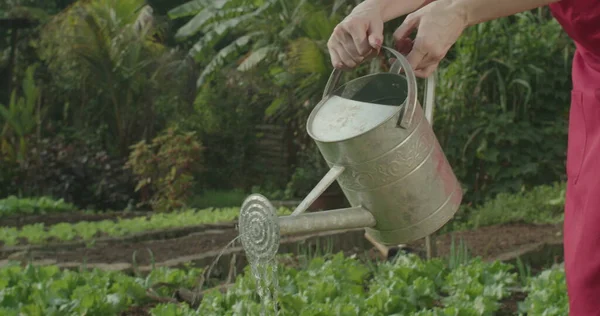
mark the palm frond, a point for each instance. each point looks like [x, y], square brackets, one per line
[191, 8]
[225, 53]
[256, 56]
[217, 30]
[307, 57]
[199, 50]
[213, 12]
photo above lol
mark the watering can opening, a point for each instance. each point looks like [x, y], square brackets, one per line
[358, 107]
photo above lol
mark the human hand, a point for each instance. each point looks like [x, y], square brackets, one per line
[358, 37]
[438, 24]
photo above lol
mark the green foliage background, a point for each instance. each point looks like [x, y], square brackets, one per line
[113, 73]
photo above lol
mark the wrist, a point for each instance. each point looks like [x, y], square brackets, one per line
[384, 8]
[391, 9]
[462, 10]
[478, 11]
[377, 6]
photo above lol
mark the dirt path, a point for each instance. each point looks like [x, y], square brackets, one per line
[146, 252]
[487, 242]
[492, 241]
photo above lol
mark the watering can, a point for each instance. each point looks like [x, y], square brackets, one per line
[382, 151]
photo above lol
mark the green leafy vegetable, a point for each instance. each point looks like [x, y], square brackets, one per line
[39, 234]
[48, 291]
[547, 294]
[33, 206]
[335, 285]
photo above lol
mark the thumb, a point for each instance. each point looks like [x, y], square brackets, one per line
[376, 34]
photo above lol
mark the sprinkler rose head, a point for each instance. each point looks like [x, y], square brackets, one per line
[259, 228]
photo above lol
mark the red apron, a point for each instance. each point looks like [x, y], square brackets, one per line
[581, 21]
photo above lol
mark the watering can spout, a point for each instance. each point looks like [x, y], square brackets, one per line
[325, 182]
[260, 227]
[344, 218]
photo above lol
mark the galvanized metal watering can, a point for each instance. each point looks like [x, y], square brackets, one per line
[382, 150]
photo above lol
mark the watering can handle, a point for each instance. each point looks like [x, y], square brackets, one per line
[405, 119]
[429, 96]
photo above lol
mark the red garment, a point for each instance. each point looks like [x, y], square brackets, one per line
[581, 21]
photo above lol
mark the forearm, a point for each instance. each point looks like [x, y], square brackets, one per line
[477, 11]
[391, 9]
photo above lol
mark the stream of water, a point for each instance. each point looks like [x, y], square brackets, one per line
[230, 244]
[265, 275]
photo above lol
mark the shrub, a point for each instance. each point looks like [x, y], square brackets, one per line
[19, 119]
[8, 177]
[503, 100]
[165, 168]
[543, 204]
[225, 118]
[33, 206]
[77, 171]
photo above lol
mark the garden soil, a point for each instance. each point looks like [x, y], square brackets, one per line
[487, 242]
[493, 241]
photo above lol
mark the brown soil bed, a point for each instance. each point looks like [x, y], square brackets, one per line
[103, 238]
[493, 241]
[146, 252]
[143, 310]
[510, 306]
[66, 217]
[488, 242]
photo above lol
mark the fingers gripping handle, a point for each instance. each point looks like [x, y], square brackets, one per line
[408, 112]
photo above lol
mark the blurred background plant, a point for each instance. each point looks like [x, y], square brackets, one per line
[165, 169]
[91, 79]
[119, 82]
[503, 99]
